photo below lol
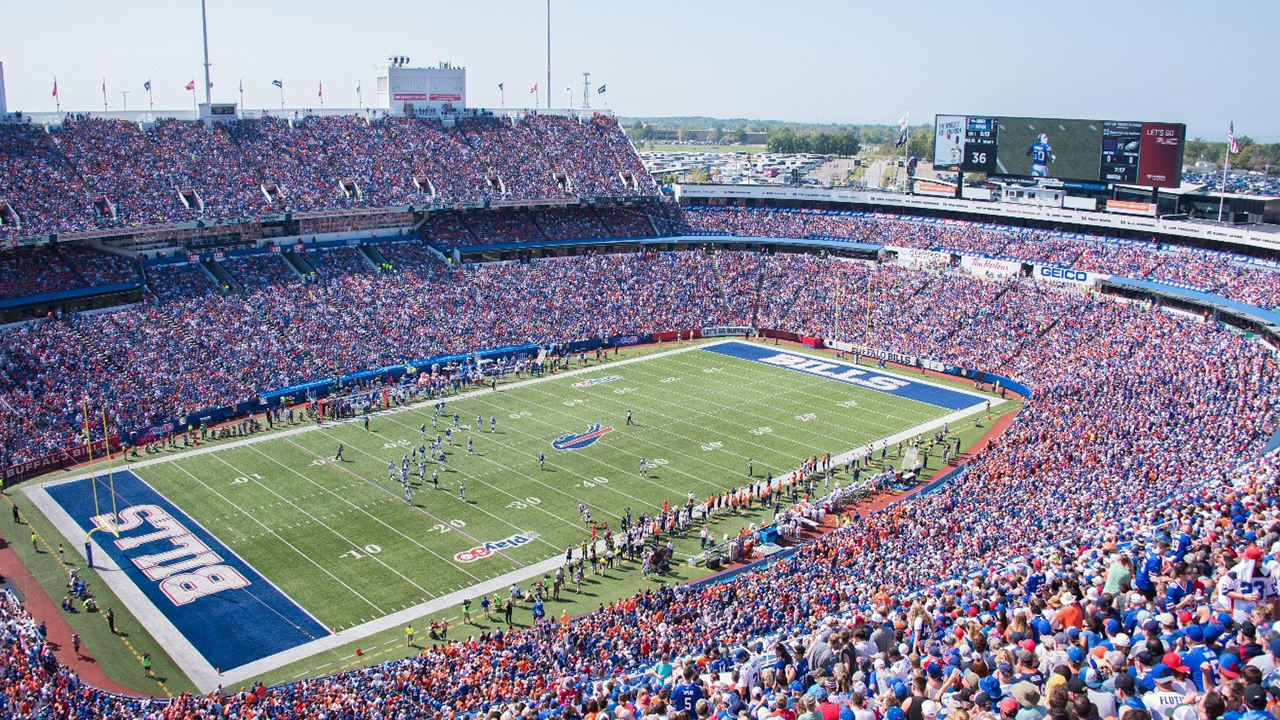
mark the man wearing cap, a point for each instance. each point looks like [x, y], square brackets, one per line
[1163, 698]
[1255, 700]
[1246, 583]
[1199, 658]
[1070, 615]
[829, 710]
[1104, 701]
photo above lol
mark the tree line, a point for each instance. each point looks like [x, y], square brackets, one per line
[822, 143]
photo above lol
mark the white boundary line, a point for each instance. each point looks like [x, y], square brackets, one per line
[205, 676]
[202, 674]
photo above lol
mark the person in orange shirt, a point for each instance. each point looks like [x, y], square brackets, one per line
[1069, 615]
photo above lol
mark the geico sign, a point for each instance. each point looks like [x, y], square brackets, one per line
[1061, 274]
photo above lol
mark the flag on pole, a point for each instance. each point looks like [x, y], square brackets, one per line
[191, 85]
[533, 89]
[55, 87]
[903, 123]
[1232, 147]
[499, 86]
[600, 90]
[278, 83]
[320, 92]
[147, 86]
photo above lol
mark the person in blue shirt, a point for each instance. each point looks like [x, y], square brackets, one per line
[685, 696]
[1041, 154]
[1149, 569]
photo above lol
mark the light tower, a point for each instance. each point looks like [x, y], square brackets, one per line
[586, 91]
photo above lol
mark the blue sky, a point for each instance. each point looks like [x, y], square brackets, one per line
[854, 61]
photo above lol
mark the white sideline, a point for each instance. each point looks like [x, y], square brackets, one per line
[207, 678]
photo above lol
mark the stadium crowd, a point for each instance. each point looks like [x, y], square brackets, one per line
[48, 269]
[1112, 554]
[1235, 276]
[91, 173]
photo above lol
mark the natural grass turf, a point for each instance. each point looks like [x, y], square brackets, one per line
[333, 516]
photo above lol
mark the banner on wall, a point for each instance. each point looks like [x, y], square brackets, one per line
[990, 266]
[1065, 275]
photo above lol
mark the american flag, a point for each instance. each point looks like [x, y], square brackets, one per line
[1232, 147]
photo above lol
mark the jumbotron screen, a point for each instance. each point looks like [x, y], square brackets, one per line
[1108, 151]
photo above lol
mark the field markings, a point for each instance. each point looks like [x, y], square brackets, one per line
[305, 427]
[359, 509]
[516, 577]
[277, 536]
[421, 508]
[421, 609]
[510, 469]
[326, 526]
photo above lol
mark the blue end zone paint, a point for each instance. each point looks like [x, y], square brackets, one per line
[850, 374]
[230, 627]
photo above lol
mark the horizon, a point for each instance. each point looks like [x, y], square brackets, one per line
[817, 64]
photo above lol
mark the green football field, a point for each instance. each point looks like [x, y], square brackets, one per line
[341, 540]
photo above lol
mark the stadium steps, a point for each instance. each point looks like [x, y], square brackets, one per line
[371, 253]
[298, 263]
[1029, 341]
[221, 275]
[755, 296]
[719, 273]
[104, 353]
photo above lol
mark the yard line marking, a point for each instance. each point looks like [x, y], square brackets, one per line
[534, 479]
[379, 520]
[469, 505]
[322, 524]
[277, 536]
[305, 427]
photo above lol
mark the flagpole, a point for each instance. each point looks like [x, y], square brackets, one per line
[151, 103]
[204, 31]
[242, 94]
[548, 54]
[1222, 195]
[104, 94]
[57, 101]
[282, 95]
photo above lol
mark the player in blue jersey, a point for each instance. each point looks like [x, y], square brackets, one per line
[1041, 154]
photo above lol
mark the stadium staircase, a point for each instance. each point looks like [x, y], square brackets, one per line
[298, 263]
[715, 265]
[103, 352]
[373, 256]
[1029, 341]
[755, 296]
[221, 276]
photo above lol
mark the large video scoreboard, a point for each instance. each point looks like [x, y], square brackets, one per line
[1108, 151]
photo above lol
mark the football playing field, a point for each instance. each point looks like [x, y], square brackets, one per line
[250, 555]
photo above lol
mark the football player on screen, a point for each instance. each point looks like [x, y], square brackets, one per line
[1041, 154]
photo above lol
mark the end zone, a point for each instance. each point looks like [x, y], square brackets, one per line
[209, 608]
[848, 373]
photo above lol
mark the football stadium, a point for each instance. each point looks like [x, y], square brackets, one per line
[427, 408]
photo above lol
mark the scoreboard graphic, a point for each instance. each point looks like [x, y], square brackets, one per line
[1108, 151]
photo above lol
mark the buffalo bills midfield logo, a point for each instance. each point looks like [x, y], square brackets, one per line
[576, 441]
